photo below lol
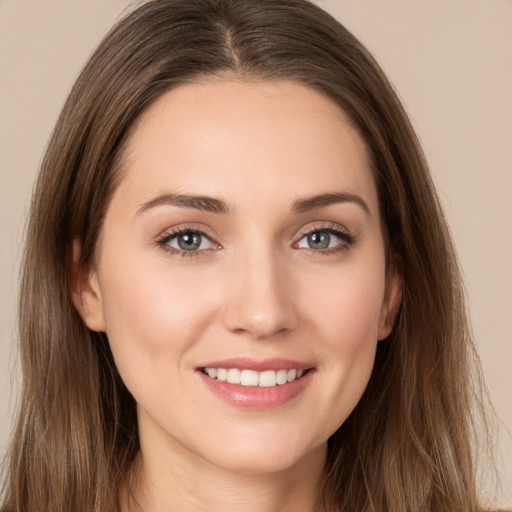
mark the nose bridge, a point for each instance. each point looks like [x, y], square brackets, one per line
[259, 301]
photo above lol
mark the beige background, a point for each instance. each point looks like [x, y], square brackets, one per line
[451, 62]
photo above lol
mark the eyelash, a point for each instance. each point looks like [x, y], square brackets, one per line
[163, 242]
[347, 239]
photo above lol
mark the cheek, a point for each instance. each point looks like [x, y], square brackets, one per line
[350, 330]
[153, 314]
[346, 319]
[347, 305]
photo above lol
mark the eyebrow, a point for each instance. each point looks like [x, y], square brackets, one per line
[205, 203]
[322, 200]
[211, 204]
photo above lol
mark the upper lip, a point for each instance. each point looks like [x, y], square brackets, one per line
[259, 365]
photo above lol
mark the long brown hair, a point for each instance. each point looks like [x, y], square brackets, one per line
[407, 445]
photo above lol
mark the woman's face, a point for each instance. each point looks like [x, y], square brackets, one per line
[244, 242]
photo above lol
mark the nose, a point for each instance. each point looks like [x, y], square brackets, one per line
[260, 299]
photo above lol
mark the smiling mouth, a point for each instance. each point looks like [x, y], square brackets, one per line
[252, 378]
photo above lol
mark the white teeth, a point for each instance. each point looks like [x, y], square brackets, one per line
[249, 378]
[282, 377]
[233, 376]
[266, 379]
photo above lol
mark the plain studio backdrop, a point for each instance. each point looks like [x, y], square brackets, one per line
[451, 63]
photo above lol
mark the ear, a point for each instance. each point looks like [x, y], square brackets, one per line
[85, 289]
[392, 297]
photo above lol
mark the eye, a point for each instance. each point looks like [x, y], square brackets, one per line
[325, 239]
[186, 241]
[191, 241]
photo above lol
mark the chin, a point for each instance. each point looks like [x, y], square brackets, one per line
[272, 456]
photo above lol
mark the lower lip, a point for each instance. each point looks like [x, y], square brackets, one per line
[254, 397]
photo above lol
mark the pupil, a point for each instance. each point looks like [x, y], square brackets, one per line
[319, 240]
[189, 241]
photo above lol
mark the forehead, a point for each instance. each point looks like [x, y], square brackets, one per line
[232, 137]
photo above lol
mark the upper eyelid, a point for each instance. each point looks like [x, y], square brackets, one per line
[177, 230]
[327, 226]
[337, 229]
[347, 237]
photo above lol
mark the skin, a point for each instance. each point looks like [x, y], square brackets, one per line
[255, 288]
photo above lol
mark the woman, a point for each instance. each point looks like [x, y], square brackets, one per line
[239, 291]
